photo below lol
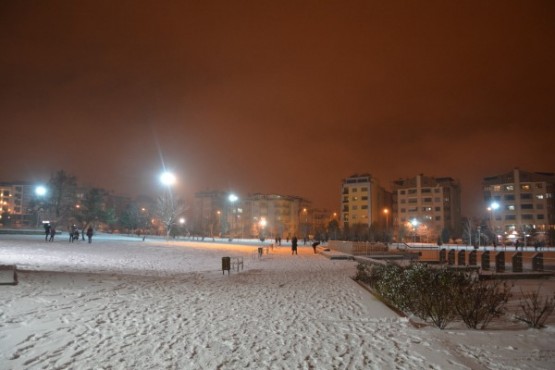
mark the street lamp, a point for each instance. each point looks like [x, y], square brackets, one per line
[167, 178]
[40, 192]
[262, 224]
[493, 206]
[305, 212]
[232, 199]
[414, 223]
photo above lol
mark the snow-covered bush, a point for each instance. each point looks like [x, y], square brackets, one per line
[439, 295]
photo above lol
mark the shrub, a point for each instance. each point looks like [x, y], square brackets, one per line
[535, 309]
[479, 302]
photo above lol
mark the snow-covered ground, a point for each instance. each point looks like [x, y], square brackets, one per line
[121, 303]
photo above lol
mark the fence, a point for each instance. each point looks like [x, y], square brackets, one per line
[358, 248]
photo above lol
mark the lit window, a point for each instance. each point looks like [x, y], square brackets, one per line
[525, 187]
[496, 187]
[539, 196]
[509, 188]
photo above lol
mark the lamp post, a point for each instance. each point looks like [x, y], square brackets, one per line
[262, 223]
[493, 206]
[386, 213]
[232, 199]
[168, 179]
[40, 192]
[305, 213]
[414, 223]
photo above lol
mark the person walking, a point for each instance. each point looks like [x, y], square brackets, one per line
[314, 245]
[52, 234]
[90, 234]
[47, 228]
[294, 245]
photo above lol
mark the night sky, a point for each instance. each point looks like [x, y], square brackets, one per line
[278, 96]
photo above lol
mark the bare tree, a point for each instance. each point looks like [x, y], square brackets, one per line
[62, 195]
[168, 211]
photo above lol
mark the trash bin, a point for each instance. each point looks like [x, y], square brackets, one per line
[226, 264]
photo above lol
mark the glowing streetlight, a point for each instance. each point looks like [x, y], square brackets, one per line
[493, 206]
[40, 191]
[232, 199]
[167, 178]
[414, 222]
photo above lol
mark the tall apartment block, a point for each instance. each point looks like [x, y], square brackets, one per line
[363, 201]
[425, 205]
[520, 201]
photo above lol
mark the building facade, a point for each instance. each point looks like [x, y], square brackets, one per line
[16, 203]
[257, 215]
[273, 215]
[424, 206]
[211, 214]
[519, 203]
[363, 202]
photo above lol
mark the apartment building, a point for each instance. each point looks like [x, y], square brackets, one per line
[363, 201]
[424, 206]
[519, 202]
[256, 215]
[210, 213]
[274, 215]
[15, 202]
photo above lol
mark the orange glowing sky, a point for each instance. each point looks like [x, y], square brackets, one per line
[284, 97]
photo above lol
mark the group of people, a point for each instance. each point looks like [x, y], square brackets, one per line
[295, 243]
[50, 233]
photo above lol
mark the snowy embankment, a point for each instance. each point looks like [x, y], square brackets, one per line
[122, 303]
